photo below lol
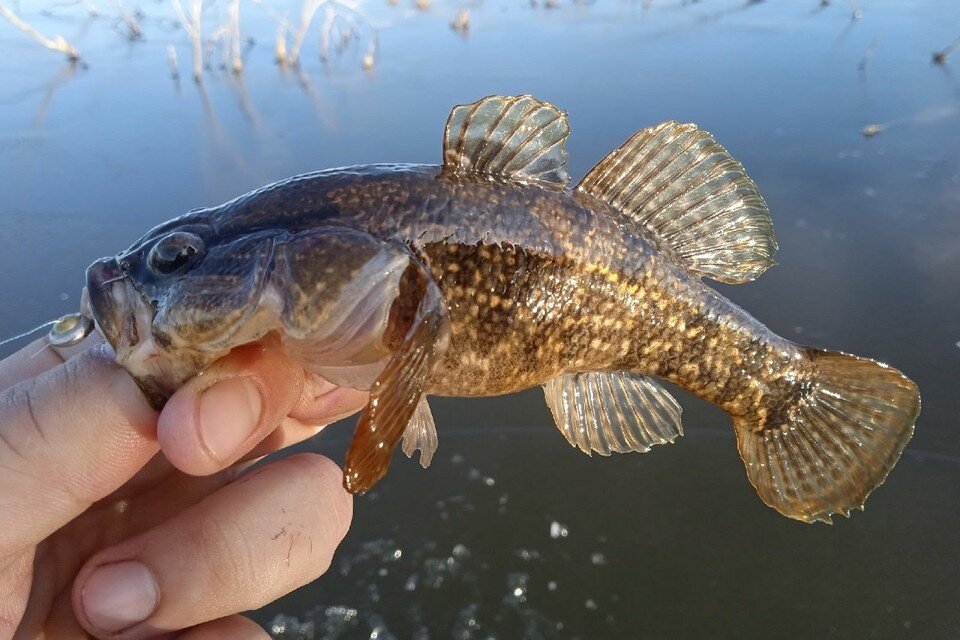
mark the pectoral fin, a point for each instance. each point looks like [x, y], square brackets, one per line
[395, 395]
[613, 412]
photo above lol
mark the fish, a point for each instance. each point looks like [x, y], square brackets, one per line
[489, 274]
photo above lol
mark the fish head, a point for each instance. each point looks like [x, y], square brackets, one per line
[185, 295]
[165, 303]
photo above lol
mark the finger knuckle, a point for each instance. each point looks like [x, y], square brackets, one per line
[27, 443]
[20, 427]
[30, 440]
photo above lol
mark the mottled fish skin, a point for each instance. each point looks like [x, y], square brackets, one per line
[487, 275]
[538, 282]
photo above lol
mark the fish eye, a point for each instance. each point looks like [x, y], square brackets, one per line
[174, 251]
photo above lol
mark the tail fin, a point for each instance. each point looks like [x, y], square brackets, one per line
[836, 442]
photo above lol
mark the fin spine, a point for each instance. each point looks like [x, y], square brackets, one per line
[513, 137]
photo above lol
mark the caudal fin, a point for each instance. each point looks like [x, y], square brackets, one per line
[836, 441]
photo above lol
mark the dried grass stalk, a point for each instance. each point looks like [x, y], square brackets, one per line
[236, 61]
[940, 57]
[193, 27]
[172, 61]
[307, 13]
[283, 58]
[462, 22]
[58, 43]
[133, 26]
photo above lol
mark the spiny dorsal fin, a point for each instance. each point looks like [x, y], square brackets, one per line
[612, 412]
[679, 183]
[517, 137]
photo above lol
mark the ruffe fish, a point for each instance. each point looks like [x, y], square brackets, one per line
[487, 275]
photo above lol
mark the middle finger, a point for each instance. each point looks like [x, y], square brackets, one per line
[247, 544]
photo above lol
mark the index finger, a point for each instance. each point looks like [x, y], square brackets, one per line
[68, 438]
[40, 356]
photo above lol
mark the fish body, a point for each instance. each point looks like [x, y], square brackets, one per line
[537, 282]
[487, 275]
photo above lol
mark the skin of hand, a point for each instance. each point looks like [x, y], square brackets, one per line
[122, 523]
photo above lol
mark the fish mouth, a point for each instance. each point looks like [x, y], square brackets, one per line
[124, 317]
[113, 302]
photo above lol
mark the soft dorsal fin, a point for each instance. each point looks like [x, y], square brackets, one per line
[612, 412]
[679, 183]
[517, 137]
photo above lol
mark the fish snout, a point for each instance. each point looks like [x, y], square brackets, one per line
[103, 270]
[106, 292]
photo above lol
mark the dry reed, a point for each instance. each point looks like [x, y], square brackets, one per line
[194, 29]
[58, 43]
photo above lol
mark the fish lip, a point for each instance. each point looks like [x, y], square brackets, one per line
[124, 316]
[102, 303]
[115, 303]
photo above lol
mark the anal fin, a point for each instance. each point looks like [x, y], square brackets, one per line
[613, 412]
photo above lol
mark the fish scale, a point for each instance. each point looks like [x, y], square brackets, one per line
[570, 295]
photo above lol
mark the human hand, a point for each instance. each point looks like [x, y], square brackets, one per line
[117, 522]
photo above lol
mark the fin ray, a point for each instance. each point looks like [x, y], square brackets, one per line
[516, 137]
[421, 433]
[395, 395]
[834, 445]
[612, 412]
[676, 181]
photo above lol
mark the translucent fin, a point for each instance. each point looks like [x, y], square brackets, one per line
[678, 182]
[834, 444]
[517, 137]
[395, 395]
[613, 412]
[421, 433]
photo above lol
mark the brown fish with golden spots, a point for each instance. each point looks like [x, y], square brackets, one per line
[487, 275]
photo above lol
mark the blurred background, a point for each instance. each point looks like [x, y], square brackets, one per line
[847, 115]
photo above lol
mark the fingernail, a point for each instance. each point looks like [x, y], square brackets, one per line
[107, 350]
[118, 596]
[229, 412]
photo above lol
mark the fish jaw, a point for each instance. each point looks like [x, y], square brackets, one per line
[125, 319]
[105, 297]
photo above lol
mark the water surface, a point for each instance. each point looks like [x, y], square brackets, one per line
[513, 534]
